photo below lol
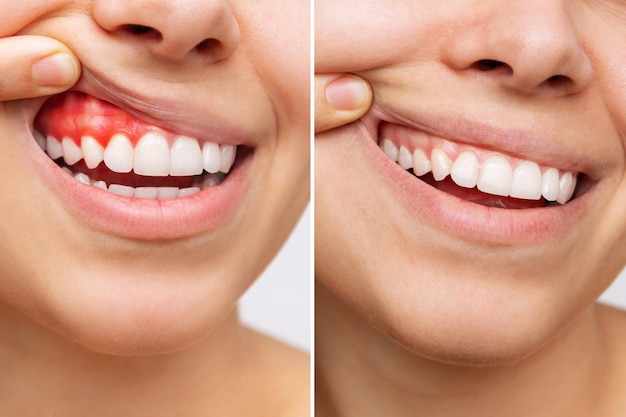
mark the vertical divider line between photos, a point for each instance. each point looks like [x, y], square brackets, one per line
[312, 203]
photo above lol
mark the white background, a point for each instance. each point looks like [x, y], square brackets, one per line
[279, 303]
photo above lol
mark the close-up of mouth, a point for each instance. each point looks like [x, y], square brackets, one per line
[485, 177]
[103, 146]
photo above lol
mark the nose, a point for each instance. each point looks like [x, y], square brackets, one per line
[172, 29]
[529, 46]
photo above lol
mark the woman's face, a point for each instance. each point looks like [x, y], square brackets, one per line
[528, 98]
[180, 85]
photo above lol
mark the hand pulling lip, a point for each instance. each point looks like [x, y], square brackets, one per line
[167, 113]
[524, 144]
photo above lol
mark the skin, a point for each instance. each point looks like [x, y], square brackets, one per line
[139, 326]
[412, 319]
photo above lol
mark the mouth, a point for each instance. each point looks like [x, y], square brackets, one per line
[478, 175]
[101, 145]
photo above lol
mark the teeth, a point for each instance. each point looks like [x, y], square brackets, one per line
[494, 176]
[71, 151]
[123, 190]
[186, 157]
[40, 139]
[53, 147]
[152, 156]
[227, 155]
[118, 155]
[464, 171]
[166, 193]
[93, 152]
[211, 157]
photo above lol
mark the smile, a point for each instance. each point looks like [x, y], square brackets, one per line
[482, 176]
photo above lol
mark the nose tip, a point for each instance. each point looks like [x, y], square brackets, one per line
[173, 30]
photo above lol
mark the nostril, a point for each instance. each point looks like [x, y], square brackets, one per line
[139, 29]
[207, 45]
[488, 64]
[558, 80]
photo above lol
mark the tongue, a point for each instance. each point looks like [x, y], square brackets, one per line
[478, 197]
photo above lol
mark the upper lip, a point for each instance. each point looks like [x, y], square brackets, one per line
[167, 113]
[525, 144]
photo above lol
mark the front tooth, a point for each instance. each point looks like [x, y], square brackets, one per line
[211, 157]
[71, 151]
[495, 176]
[464, 171]
[118, 155]
[405, 159]
[166, 193]
[53, 147]
[527, 182]
[551, 186]
[390, 149]
[441, 164]
[93, 152]
[227, 156]
[146, 192]
[566, 188]
[421, 163]
[152, 156]
[186, 157]
[123, 190]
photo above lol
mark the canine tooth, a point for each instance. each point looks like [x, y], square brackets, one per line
[184, 192]
[118, 155]
[566, 188]
[421, 163]
[40, 139]
[165, 193]
[551, 187]
[227, 155]
[405, 159]
[100, 184]
[440, 164]
[527, 182]
[82, 178]
[390, 149]
[211, 157]
[146, 192]
[93, 152]
[152, 156]
[186, 157]
[71, 151]
[495, 176]
[123, 190]
[464, 171]
[53, 147]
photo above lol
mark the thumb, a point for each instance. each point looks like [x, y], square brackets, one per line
[340, 99]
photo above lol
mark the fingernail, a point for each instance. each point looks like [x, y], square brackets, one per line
[346, 93]
[56, 70]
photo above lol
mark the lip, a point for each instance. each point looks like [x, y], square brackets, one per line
[466, 220]
[144, 219]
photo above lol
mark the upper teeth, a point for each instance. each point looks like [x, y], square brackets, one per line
[151, 157]
[494, 175]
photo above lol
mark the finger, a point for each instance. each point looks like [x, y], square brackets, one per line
[34, 66]
[340, 99]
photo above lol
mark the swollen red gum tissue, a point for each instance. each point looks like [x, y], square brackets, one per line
[75, 115]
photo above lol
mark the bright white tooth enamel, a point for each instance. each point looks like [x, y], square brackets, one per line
[146, 192]
[211, 157]
[53, 147]
[184, 192]
[390, 149]
[405, 159]
[527, 182]
[227, 156]
[566, 188]
[118, 155]
[166, 193]
[123, 190]
[551, 187]
[421, 163]
[93, 152]
[495, 176]
[40, 139]
[152, 156]
[71, 151]
[440, 164]
[464, 171]
[100, 184]
[82, 178]
[186, 157]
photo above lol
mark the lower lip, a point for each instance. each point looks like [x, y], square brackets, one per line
[144, 219]
[470, 221]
